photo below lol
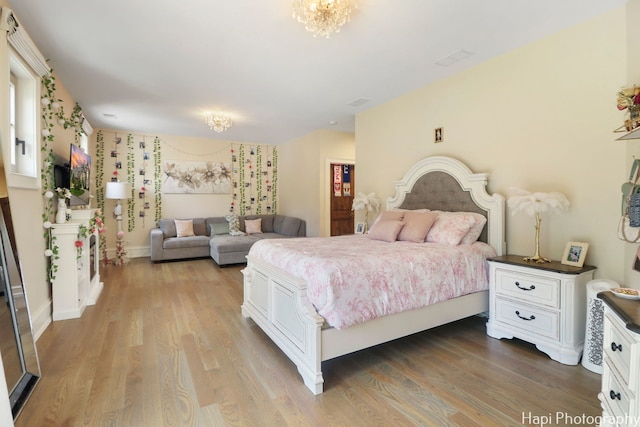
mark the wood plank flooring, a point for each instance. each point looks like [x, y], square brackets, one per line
[166, 345]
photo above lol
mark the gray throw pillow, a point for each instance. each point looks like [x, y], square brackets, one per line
[219, 228]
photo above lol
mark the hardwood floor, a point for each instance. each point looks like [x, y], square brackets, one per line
[166, 345]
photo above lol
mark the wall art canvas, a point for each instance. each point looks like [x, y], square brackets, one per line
[187, 177]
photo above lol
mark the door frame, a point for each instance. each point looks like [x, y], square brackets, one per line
[326, 189]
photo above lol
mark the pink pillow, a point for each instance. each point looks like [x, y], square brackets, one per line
[416, 226]
[386, 230]
[450, 227]
[253, 226]
[184, 227]
[393, 215]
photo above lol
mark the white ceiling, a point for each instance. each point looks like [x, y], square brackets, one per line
[159, 65]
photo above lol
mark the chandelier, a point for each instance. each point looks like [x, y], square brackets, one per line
[323, 17]
[219, 122]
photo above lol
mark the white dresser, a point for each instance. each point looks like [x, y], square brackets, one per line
[620, 393]
[544, 304]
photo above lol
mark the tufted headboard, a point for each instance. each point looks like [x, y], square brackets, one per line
[446, 184]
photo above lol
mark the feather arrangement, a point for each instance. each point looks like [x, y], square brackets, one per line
[370, 202]
[534, 204]
[367, 203]
[537, 203]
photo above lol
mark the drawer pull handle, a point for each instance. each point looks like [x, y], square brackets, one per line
[613, 395]
[615, 347]
[532, 317]
[525, 289]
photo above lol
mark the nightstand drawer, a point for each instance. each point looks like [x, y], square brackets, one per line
[617, 347]
[528, 287]
[614, 392]
[528, 318]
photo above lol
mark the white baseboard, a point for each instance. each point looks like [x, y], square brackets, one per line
[40, 319]
[137, 252]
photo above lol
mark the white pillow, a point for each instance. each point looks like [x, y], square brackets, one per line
[476, 229]
[184, 227]
[450, 227]
[253, 226]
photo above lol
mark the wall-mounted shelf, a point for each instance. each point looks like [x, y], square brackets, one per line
[634, 134]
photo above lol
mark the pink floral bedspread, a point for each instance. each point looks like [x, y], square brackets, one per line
[352, 279]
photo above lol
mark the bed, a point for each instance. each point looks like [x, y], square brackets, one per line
[278, 300]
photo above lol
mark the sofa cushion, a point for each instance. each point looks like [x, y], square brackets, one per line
[227, 243]
[185, 242]
[267, 223]
[290, 226]
[270, 236]
[200, 227]
[168, 227]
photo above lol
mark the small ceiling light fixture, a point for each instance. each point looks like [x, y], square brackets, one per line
[323, 17]
[219, 122]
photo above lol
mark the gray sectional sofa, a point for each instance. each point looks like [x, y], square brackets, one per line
[212, 238]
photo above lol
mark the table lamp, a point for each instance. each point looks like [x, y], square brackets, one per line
[118, 191]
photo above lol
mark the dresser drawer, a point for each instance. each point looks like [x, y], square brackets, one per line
[614, 391]
[617, 347]
[528, 317]
[528, 287]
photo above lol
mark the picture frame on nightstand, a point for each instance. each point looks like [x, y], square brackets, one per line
[574, 254]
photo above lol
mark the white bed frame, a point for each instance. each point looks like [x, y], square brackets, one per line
[277, 301]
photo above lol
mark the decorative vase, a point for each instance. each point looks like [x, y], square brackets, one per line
[61, 215]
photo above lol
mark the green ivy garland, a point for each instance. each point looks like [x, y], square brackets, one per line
[259, 180]
[241, 159]
[131, 177]
[100, 189]
[52, 112]
[274, 182]
[157, 184]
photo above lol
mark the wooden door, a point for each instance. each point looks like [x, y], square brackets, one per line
[342, 192]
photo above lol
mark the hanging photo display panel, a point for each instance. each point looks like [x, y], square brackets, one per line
[254, 179]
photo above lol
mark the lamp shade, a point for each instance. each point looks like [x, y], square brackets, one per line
[118, 190]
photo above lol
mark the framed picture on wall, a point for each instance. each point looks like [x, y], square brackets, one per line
[437, 135]
[575, 254]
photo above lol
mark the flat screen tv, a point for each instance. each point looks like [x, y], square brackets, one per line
[75, 175]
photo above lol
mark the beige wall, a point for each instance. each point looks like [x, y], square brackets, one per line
[27, 207]
[301, 172]
[632, 277]
[539, 118]
[304, 176]
[173, 205]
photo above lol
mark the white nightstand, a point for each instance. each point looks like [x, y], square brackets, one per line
[620, 394]
[544, 304]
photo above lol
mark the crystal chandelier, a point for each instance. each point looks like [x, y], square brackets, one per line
[323, 17]
[219, 122]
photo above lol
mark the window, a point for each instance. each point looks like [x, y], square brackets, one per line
[23, 145]
[12, 117]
